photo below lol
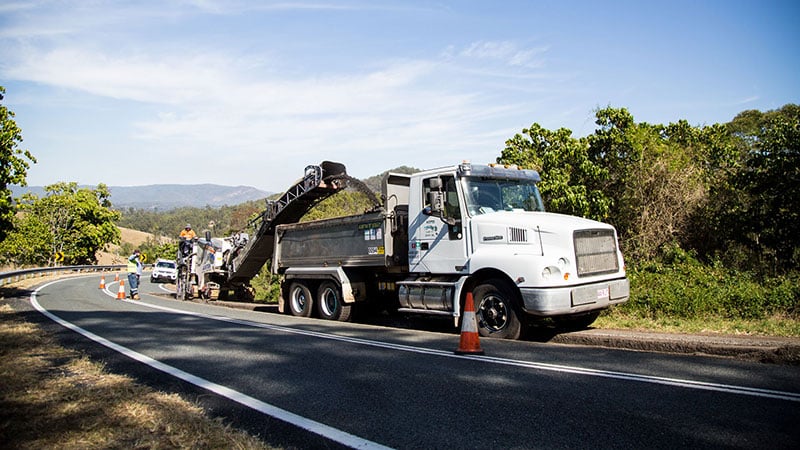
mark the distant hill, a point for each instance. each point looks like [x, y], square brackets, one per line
[374, 182]
[169, 196]
[164, 197]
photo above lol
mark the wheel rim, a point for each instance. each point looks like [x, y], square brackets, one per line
[493, 313]
[329, 302]
[299, 300]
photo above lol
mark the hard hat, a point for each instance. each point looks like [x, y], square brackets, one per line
[188, 226]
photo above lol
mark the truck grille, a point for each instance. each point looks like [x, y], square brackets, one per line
[517, 235]
[595, 252]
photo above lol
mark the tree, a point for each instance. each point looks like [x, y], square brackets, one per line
[656, 178]
[77, 222]
[767, 211]
[569, 178]
[14, 164]
[647, 180]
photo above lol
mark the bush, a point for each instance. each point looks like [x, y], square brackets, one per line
[681, 286]
[267, 286]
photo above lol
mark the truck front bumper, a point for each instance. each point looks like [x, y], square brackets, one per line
[575, 299]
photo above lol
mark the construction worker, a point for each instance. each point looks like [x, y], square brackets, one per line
[134, 272]
[187, 235]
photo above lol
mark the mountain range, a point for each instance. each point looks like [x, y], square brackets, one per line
[169, 196]
[164, 197]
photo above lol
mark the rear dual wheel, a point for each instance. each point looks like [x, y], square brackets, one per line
[328, 301]
[300, 301]
[330, 305]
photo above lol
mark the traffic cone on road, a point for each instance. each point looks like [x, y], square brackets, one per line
[121, 292]
[103, 282]
[470, 342]
[116, 277]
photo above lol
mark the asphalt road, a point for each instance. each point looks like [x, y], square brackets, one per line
[308, 383]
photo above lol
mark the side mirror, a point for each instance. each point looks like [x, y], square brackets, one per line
[436, 200]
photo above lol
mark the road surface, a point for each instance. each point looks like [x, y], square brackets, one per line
[310, 384]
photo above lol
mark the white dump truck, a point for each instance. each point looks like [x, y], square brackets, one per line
[430, 240]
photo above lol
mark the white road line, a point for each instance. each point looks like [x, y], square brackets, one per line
[676, 382]
[321, 429]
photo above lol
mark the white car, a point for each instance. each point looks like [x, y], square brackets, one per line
[164, 271]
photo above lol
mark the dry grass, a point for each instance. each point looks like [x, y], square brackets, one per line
[110, 255]
[52, 397]
[778, 326]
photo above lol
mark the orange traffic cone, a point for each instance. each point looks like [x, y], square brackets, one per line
[116, 277]
[470, 342]
[103, 282]
[121, 292]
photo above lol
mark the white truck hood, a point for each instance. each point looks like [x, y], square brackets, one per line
[527, 244]
[511, 227]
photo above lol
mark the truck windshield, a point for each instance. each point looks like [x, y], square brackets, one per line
[486, 195]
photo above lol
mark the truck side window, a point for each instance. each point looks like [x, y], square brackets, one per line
[452, 206]
[451, 203]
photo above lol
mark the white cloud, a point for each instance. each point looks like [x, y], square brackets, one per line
[506, 52]
[213, 108]
[246, 116]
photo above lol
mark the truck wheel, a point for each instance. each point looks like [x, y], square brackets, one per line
[330, 304]
[496, 310]
[300, 300]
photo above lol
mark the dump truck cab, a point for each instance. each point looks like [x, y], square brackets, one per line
[476, 225]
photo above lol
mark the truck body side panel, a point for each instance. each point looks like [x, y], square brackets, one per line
[355, 241]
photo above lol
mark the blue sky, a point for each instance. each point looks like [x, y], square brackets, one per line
[250, 92]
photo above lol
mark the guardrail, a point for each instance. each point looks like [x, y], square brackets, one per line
[14, 276]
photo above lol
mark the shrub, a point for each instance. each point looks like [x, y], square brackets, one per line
[681, 286]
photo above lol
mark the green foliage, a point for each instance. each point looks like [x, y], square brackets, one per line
[75, 222]
[724, 191]
[681, 286]
[266, 285]
[655, 177]
[227, 219]
[770, 220]
[343, 203]
[14, 164]
[707, 216]
[569, 178]
[153, 249]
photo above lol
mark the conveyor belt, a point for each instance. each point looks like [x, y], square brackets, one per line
[318, 183]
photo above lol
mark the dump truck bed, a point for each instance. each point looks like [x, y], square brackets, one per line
[353, 241]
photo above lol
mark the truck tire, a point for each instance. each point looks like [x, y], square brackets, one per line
[330, 305]
[496, 310]
[300, 301]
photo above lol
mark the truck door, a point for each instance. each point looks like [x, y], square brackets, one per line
[435, 246]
